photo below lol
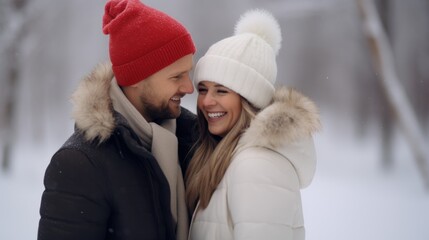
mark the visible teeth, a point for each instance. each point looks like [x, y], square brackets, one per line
[175, 98]
[216, 115]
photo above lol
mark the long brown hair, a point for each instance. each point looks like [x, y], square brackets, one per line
[212, 157]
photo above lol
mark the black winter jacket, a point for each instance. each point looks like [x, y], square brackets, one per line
[110, 189]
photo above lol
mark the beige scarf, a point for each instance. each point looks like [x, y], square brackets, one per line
[162, 142]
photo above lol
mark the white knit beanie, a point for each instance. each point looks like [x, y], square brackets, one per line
[245, 62]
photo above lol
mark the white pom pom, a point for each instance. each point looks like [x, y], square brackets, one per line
[263, 24]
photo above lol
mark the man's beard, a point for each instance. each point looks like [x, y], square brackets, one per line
[160, 113]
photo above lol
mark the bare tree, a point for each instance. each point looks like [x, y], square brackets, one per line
[384, 63]
[12, 22]
[385, 109]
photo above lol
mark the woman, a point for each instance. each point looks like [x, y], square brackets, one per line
[255, 150]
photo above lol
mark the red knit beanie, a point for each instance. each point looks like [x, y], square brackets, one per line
[143, 40]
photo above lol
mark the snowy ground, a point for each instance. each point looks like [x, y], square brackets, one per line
[351, 197]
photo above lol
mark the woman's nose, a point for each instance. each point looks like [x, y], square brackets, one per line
[209, 100]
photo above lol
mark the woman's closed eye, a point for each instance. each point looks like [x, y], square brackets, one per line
[222, 91]
[202, 90]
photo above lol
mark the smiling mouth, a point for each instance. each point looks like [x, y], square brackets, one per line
[175, 99]
[216, 114]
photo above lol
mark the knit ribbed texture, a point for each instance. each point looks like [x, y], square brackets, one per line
[245, 62]
[143, 40]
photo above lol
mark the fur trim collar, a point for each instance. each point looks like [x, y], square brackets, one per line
[290, 117]
[286, 127]
[92, 106]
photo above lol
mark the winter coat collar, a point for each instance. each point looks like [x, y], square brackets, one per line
[286, 126]
[92, 106]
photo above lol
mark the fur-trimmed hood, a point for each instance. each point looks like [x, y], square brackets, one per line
[92, 105]
[286, 126]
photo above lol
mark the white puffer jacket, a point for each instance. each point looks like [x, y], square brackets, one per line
[259, 196]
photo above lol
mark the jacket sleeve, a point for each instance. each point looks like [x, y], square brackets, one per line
[263, 197]
[73, 205]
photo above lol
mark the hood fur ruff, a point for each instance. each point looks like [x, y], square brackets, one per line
[92, 106]
[286, 126]
[290, 117]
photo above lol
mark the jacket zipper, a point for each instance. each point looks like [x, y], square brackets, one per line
[192, 220]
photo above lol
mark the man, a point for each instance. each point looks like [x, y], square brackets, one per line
[118, 176]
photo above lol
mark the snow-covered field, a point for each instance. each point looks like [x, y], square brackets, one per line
[351, 198]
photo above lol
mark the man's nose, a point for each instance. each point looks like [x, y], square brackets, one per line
[187, 86]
